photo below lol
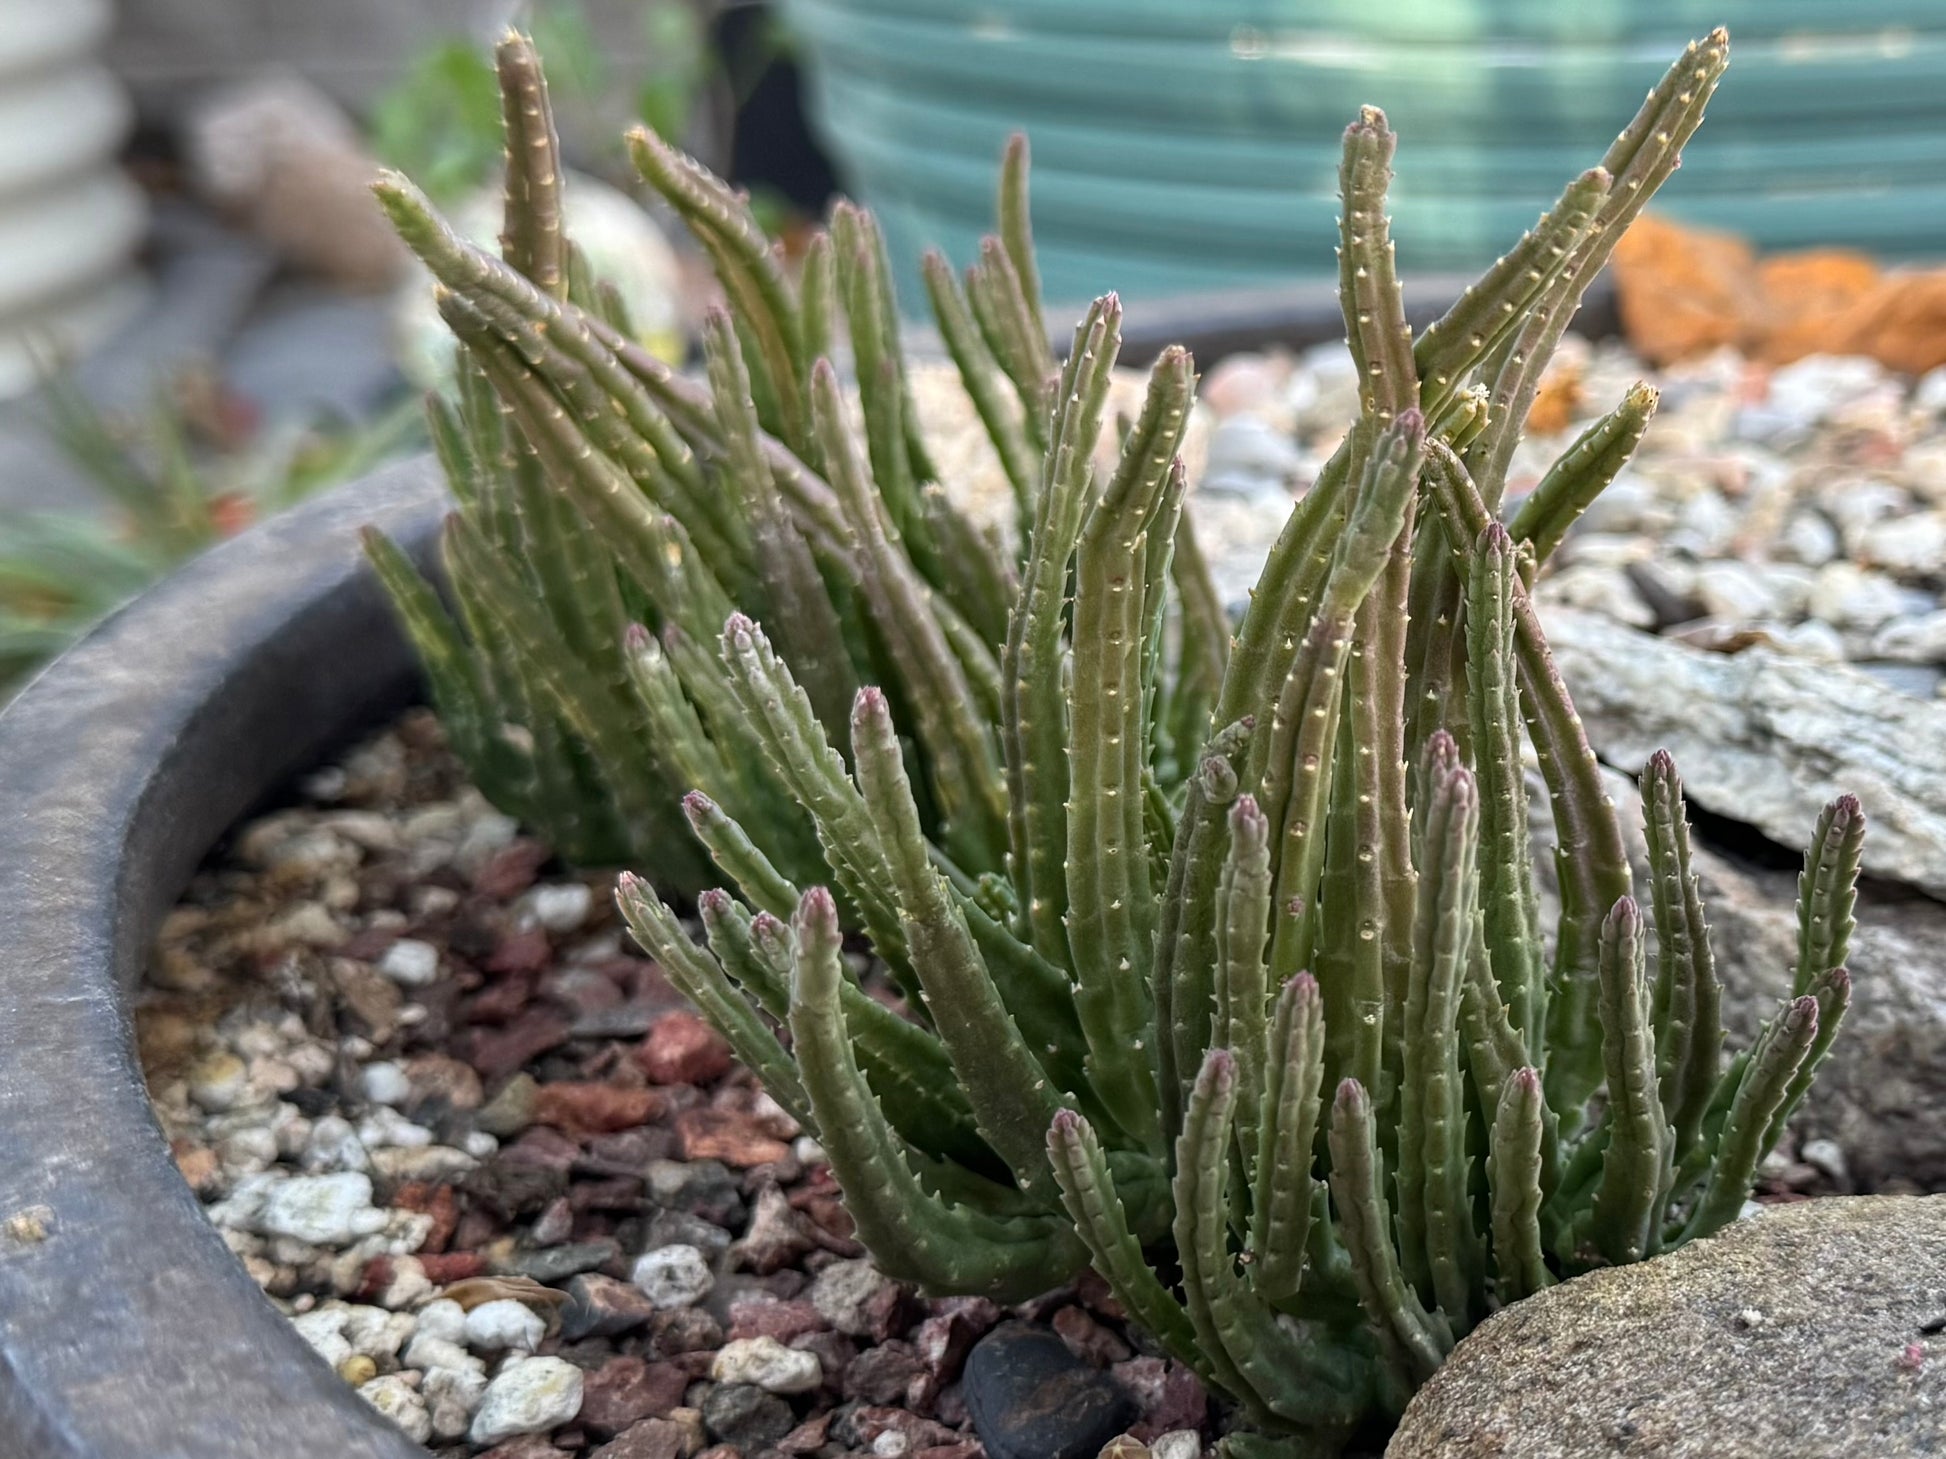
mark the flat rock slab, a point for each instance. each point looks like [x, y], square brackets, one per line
[1766, 738]
[1813, 1331]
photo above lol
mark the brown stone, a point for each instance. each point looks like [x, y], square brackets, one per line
[776, 1237]
[442, 1077]
[783, 1321]
[655, 1438]
[682, 1049]
[735, 1139]
[452, 1266]
[1171, 1396]
[524, 1446]
[498, 1052]
[525, 951]
[882, 1374]
[600, 1306]
[511, 870]
[624, 1391]
[1087, 1339]
[592, 1109]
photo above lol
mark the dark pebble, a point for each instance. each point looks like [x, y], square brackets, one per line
[558, 1263]
[744, 1415]
[1030, 1398]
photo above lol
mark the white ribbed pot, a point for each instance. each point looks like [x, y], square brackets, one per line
[70, 221]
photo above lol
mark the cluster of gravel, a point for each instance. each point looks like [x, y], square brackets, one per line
[1803, 506]
[515, 1192]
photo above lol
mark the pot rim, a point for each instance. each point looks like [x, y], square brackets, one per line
[127, 1328]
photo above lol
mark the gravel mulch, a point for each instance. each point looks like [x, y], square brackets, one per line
[521, 1198]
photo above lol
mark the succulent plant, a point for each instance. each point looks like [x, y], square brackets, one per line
[1223, 960]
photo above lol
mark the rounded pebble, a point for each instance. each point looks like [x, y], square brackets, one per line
[399, 1401]
[324, 1210]
[444, 1319]
[528, 1398]
[385, 1083]
[410, 963]
[673, 1276]
[766, 1363]
[502, 1324]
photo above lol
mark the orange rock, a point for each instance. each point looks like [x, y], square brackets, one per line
[1558, 399]
[1807, 298]
[1684, 291]
[1901, 323]
[588, 1108]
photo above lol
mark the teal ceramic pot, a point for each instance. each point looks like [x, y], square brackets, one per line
[1185, 146]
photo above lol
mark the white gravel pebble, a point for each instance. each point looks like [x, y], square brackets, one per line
[502, 1324]
[444, 1319]
[768, 1364]
[529, 1398]
[385, 1128]
[428, 1354]
[1178, 1444]
[673, 1276]
[324, 1330]
[333, 1145]
[560, 908]
[410, 963]
[385, 1083]
[453, 1395]
[377, 1333]
[324, 1210]
[399, 1401]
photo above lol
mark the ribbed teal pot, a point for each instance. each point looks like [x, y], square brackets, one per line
[1190, 145]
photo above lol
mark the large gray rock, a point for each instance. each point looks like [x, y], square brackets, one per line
[1766, 738]
[1803, 1333]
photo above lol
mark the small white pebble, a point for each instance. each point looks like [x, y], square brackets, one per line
[385, 1128]
[560, 908]
[1177, 1444]
[504, 1323]
[431, 1353]
[385, 1083]
[444, 1319]
[1828, 1156]
[453, 1395]
[399, 1401]
[479, 1144]
[1750, 1317]
[324, 1331]
[768, 1364]
[673, 1276]
[529, 1398]
[807, 1150]
[324, 1210]
[377, 1333]
[333, 1145]
[410, 963]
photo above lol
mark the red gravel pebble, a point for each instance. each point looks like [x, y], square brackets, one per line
[496, 1053]
[626, 1390]
[682, 1049]
[655, 1438]
[594, 1108]
[453, 1266]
